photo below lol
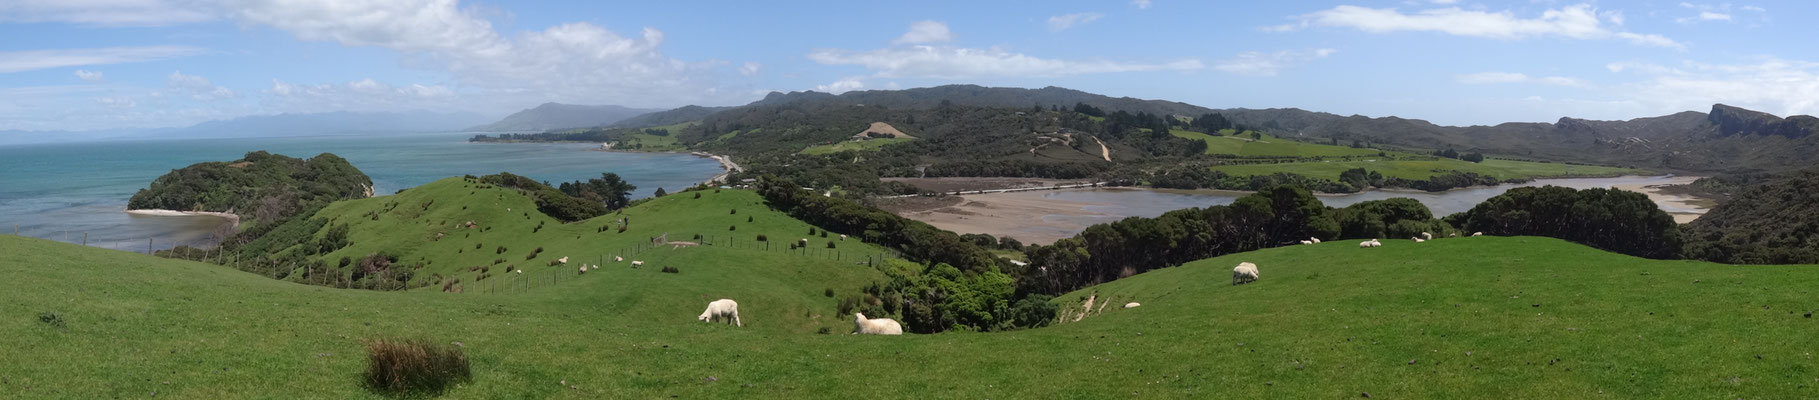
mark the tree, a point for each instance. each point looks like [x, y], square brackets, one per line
[659, 193]
[1473, 157]
[1610, 219]
[609, 188]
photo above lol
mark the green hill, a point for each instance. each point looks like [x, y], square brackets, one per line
[1517, 317]
[260, 186]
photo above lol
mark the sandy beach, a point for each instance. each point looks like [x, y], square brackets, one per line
[1027, 216]
[1684, 208]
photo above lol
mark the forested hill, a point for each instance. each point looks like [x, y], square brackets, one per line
[999, 97]
[668, 117]
[1768, 222]
[261, 186]
[560, 116]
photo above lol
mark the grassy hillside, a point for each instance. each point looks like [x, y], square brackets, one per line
[406, 228]
[1426, 167]
[854, 145]
[1268, 146]
[1483, 317]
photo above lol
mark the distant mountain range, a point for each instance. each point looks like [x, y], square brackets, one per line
[312, 124]
[549, 116]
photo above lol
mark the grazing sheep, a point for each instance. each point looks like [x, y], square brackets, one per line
[1244, 273]
[843, 237]
[1428, 236]
[1417, 239]
[563, 260]
[722, 310]
[1477, 234]
[618, 259]
[1452, 235]
[1306, 242]
[583, 270]
[636, 263]
[1131, 305]
[881, 326]
[1315, 240]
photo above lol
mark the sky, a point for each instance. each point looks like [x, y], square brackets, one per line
[114, 64]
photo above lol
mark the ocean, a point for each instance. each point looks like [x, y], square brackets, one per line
[63, 191]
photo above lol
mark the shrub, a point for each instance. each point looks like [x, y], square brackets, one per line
[824, 330]
[847, 304]
[748, 218]
[345, 261]
[413, 366]
[51, 318]
[732, 227]
[671, 270]
[735, 211]
[762, 238]
[823, 234]
[829, 293]
[1033, 311]
[811, 231]
[501, 250]
[830, 245]
[697, 195]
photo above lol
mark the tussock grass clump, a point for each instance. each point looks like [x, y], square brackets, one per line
[671, 270]
[413, 366]
[51, 318]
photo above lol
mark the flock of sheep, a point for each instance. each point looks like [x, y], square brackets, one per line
[727, 310]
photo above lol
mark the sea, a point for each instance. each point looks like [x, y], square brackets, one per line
[77, 192]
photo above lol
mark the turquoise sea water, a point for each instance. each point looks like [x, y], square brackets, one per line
[60, 191]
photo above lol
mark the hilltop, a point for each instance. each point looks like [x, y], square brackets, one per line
[261, 186]
[1454, 318]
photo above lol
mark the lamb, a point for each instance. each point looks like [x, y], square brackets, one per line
[1306, 242]
[1428, 236]
[1132, 305]
[1315, 240]
[881, 326]
[1244, 273]
[1477, 234]
[723, 309]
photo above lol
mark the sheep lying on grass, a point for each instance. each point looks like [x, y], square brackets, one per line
[1417, 239]
[1477, 234]
[618, 259]
[843, 237]
[1244, 273]
[1427, 236]
[1370, 243]
[722, 310]
[1452, 235]
[636, 264]
[1132, 305]
[881, 326]
[1306, 242]
[1315, 240]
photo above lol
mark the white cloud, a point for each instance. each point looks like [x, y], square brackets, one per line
[1269, 64]
[1485, 78]
[1062, 22]
[843, 85]
[108, 12]
[1141, 4]
[948, 62]
[90, 76]
[1773, 85]
[198, 88]
[750, 69]
[1580, 21]
[117, 101]
[1753, 8]
[925, 32]
[572, 62]
[29, 60]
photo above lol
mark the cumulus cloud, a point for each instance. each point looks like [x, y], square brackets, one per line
[750, 69]
[90, 76]
[1141, 4]
[949, 62]
[843, 85]
[1783, 87]
[925, 32]
[1269, 64]
[574, 62]
[29, 60]
[109, 12]
[1062, 22]
[365, 94]
[1485, 78]
[1580, 21]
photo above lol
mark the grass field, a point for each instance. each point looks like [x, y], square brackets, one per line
[1462, 318]
[856, 145]
[1268, 146]
[1426, 167]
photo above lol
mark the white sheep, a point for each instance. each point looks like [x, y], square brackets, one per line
[843, 237]
[618, 259]
[1428, 236]
[722, 310]
[1417, 239]
[1370, 243]
[1477, 234]
[1131, 305]
[881, 326]
[1364, 244]
[1315, 240]
[563, 260]
[583, 270]
[1244, 273]
[1306, 242]
[1452, 235]
[636, 263]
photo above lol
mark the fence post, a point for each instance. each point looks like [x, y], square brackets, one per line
[148, 245]
[84, 238]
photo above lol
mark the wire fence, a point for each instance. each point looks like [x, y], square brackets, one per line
[495, 278]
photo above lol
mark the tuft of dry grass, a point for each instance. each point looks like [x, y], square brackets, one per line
[413, 366]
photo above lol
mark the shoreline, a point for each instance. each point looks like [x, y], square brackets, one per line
[233, 220]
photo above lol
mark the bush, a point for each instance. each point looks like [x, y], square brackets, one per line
[823, 234]
[1034, 311]
[748, 218]
[824, 330]
[501, 250]
[762, 238]
[735, 211]
[811, 231]
[697, 195]
[732, 227]
[345, 261]
[413, 366]
[671, 270]
[830, 245]
[51, 318]
[829, 293]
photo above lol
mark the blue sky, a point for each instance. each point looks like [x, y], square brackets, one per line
[104, 64]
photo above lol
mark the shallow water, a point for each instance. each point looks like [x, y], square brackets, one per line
[60, 191]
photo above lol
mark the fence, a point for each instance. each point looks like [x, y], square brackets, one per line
[205, 250]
